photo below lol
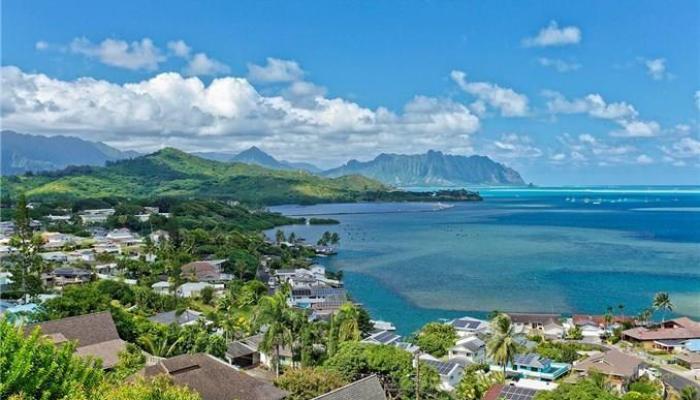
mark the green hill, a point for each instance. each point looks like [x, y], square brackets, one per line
[171, 172]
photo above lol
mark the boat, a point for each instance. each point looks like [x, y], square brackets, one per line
[383, 325]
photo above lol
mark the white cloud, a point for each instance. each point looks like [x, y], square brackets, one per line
[275, 70]
[179, 48]
[656, 68]
[228, 114]
[586, 148]
[644, 159]
[637, 129]
[41, 45]
[200, 64]
[686, 147]
[552, 35]
[509, 102]
[118, 53]
[558, 64]
[592, 104]
[512, 145]
[697, 99]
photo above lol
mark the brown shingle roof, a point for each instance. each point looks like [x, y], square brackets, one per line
[213, 379]
[368, 388]
[679, 328]
[202, 270]
[86, 329]
[611, 362]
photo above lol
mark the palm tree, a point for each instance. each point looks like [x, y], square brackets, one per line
[158, 346]
[348, 323]
[645, 315]
[621, 307]
[689, 393]
[662, 302]
[503, 346]
[273, 312]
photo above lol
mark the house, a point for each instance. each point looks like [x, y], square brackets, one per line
[81, 255]
[161, 287]
[533, 366]
[620, 368]
[450, 371]
[123, 236]
[54, 256]
[64, 276]
[368, 388]
[193, 289]
[245, 353]
[204, 271]
[553, 330]
[471, 347]
[159, 235]
[509, 392]
[96, 216]
[187, 317]
[382, 337]
[532, 323]
[467, 326]
[213, 379]
[689, 360]
[676, 329]
[409, 347]
[95, 336]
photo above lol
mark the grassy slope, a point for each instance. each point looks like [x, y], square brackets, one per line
[171, 172]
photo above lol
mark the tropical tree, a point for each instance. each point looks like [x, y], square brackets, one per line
[273, 314]
[662, 302]
[279, 236]
[348, 323]
[32, 367]
[160, 345]
[689, 393]
[503, 345]
[308, 383]
[436, 338]
[158, 388]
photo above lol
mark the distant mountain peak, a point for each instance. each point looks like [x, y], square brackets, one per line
[255, 155]
[433, 168]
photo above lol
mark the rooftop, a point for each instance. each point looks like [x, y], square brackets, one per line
[611, 362]
[368, 388]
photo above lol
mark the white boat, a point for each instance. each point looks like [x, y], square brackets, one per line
[383, 325]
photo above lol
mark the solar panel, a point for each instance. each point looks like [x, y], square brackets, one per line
[517, 393]
[385, 337]
[443, 368]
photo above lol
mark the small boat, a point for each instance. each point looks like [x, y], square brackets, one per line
[383, 325]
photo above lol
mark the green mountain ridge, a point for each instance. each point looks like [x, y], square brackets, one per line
[433, 168]
[171, 172]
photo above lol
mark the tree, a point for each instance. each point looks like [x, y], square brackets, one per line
[207, 295]
[436, 338]
[273, 312]
[474, 384]
[159, 346]
[334, 238]
[586, 389]
[130, 361]
[503, 346]
[158, 388]
[26, 264]
[348, 322]
[279, 236]
[33, 367]
[575, 333]
[308, 383]
[662, 302]
[689, 393]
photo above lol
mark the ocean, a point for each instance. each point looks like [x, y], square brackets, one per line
[565, 250]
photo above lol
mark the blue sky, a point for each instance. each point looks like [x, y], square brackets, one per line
[565, 92]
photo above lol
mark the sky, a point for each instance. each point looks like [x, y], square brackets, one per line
[567, 93]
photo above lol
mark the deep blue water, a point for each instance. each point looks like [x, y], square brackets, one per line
[562, 250]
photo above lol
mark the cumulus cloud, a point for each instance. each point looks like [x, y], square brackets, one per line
[200, 64]
[275, 70]
[656, 68]
[553, 35]
[512, 145]
[697, 99]
[686, 147]
[229, 113]
[637, 129]
[507, 101]
[558, 64]
[179, 48]
[585, 148]
[644, 159]
[41, 45]
[136, 55]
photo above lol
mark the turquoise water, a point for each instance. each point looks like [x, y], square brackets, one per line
[550, 250]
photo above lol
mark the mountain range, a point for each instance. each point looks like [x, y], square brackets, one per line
[22, 153]
[173, 173]
[433, 168]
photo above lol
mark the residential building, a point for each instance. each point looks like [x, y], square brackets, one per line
[95, 336]
[368, 388]
[205, 271]
[620, 368]
[382, 337]
[450, 371]
[193, 289]
[161, 287]
[96, 216]
[533, 323]
[246, 353]
[509, 392]
[690, 360]
[187, 317]
[213, 379]
[64, 276]
[471, 348]
[468, 326]
[676, 329]
[533, 366]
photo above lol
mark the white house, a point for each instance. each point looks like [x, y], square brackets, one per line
[471, 348]
[161, 287]
[468, 326]
[192, 289]
[450, 372]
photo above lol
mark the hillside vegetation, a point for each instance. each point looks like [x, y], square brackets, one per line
[173, 173]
